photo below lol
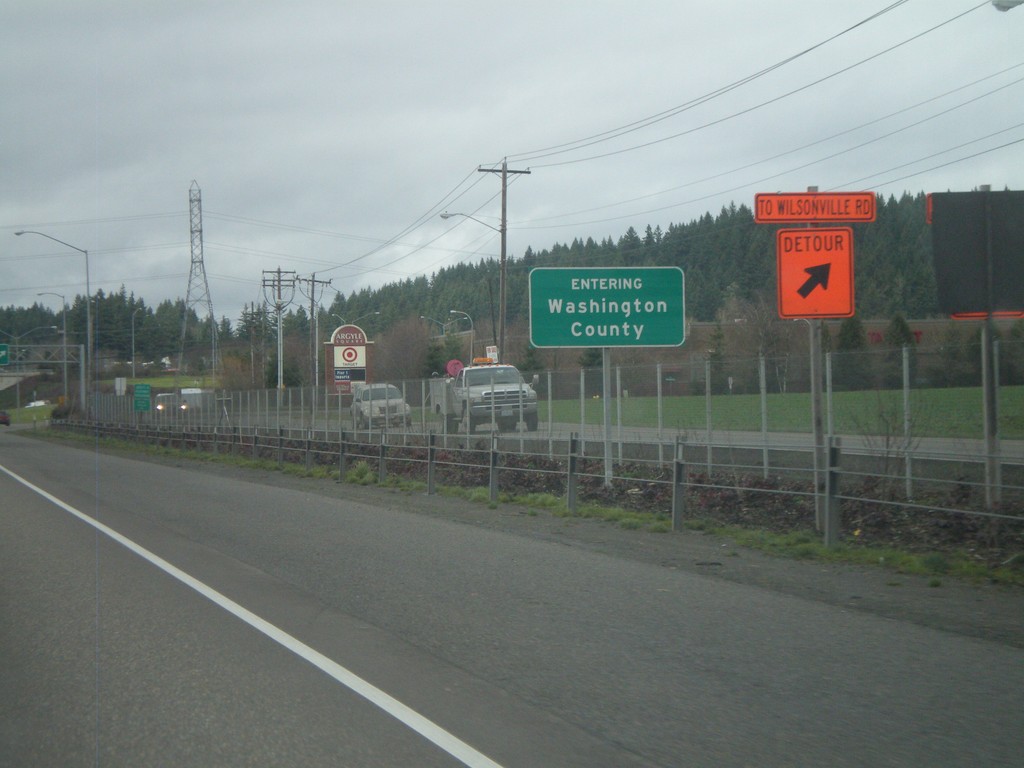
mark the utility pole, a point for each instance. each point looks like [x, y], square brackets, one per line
[502, 276]
[308, 287]
[279, 290]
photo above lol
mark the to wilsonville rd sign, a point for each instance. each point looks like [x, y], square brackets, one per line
[801, 207]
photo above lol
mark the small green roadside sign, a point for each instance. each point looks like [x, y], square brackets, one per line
[140, 394]
[5, 354]
[607, 307]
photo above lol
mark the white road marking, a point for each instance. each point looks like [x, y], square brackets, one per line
[396, 709]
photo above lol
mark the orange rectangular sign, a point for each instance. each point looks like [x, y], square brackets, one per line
[796, 207]
[815, 272]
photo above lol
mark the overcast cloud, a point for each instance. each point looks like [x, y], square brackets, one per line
[327, 136]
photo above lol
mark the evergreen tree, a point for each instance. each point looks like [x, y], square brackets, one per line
[591, 358]
[850, 365]
[959, 358]
[897, 336]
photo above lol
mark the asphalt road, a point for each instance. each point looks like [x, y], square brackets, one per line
[248, 619]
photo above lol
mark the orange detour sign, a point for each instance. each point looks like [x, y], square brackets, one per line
[797, 207]
[815, 272]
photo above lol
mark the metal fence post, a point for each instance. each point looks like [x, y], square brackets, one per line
[280, 446]
[309, 453]
[707, 408]
[382, 459]
[907, 452]
[431, 455]
[583, 405]
[493, 469]
[832, 516]
[341, 457]
[762, 383]
[678, 488]
[661, 414]
[571, 480]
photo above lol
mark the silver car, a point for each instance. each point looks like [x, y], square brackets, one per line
[378, 405]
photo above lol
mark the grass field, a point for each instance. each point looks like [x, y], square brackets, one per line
[933, 412]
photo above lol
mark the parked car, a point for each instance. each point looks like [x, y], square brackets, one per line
[5, 418]
[379, 405]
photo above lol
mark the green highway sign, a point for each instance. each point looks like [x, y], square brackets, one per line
[607, 307]
[5, 354]
[141, 397]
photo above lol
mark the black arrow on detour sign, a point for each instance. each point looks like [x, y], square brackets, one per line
[818, 276]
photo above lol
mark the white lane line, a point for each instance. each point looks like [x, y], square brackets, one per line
[396, 709]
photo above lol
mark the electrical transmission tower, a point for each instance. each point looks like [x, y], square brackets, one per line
[198, 289]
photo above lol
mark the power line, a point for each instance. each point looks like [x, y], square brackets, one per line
[805, 146]
[672, 112]
[943, 165]
[760, 105]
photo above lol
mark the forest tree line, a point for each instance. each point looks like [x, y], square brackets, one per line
[729, 264]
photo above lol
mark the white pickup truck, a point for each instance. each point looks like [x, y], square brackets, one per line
[485, 393]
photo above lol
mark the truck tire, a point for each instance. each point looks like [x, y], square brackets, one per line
[531, 422]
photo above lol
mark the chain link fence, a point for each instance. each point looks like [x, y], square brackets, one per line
[907, 424]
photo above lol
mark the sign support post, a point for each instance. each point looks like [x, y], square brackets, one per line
[606, 386]
[990, 373]
[815, 281]
[817, 424]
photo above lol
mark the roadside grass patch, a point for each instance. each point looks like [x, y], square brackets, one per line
[360, 474]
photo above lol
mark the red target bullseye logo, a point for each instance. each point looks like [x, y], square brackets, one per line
[349, 355]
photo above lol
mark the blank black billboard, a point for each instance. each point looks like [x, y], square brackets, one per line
[978, 251]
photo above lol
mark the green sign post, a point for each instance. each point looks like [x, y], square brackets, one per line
[5, 354]
[141, 396]
[607, 307]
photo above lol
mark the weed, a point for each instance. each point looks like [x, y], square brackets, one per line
[936, 562]
[360, 474]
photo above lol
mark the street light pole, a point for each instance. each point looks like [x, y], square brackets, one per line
[444, 328]
[361, 317]
[472, 330]
[137, 310]
[88, 299]
[64, 331]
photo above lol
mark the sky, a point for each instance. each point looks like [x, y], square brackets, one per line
[327, 137]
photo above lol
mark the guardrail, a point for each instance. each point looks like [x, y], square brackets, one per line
[858, 497]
